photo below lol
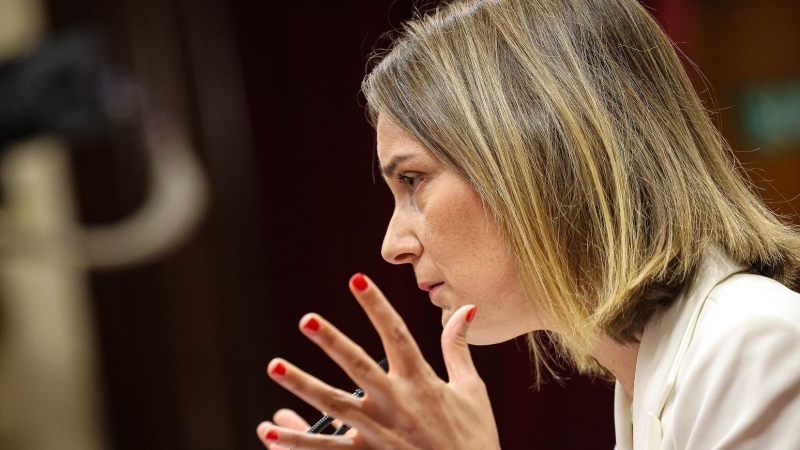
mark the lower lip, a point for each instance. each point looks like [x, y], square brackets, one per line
[430, 293]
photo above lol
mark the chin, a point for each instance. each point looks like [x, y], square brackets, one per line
[476, 335]
[483, 335]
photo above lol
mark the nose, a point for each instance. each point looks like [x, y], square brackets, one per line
[401, 244]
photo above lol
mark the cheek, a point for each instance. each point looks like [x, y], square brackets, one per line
[465, 243]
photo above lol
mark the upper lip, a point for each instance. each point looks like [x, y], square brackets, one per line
[427, 286]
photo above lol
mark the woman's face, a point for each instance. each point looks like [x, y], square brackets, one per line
[441, 228]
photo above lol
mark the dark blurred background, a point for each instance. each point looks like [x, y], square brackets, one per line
[269, 93]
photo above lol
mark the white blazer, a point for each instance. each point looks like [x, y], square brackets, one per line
[720, 369]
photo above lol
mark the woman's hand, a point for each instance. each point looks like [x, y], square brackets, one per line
[408, 408]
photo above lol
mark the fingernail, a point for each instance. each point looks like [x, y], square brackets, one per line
[271, 435]
[312, 324]
[359, 282]
[279, 370]
[471, 314]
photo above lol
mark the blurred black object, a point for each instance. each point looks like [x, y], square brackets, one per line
[58, 88]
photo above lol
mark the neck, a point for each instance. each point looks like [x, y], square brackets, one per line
[620, 360]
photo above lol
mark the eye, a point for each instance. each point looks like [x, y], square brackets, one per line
[408, 180]
[411, 181]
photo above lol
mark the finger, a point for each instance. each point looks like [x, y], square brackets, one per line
[455, 350]
[297, 440]
[401, 349]
[358, 365]
[323, 397]
[290, 419]
[269, 446]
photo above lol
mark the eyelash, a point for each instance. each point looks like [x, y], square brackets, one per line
[409, 181]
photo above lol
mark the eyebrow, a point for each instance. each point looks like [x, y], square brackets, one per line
[388, 170]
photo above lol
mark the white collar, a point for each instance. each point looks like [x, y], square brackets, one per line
[665, 339]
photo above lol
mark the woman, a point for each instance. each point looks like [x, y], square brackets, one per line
[553, 169]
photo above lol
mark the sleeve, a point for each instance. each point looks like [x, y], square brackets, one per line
[742, 389]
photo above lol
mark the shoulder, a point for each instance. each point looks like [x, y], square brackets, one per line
[740, 377]
[746, 313]
[745, 294]
[746, 319]
[747, 305]
[749, 321]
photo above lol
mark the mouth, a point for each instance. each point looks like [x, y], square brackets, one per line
[431, 287]
[435, 287]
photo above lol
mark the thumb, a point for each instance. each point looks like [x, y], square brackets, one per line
[455, 350]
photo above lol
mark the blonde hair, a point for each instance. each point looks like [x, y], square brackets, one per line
[577, 125]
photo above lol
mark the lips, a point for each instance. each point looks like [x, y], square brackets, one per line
[434, 288]
[430, 286]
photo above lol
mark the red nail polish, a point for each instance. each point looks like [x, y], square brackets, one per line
[271, 435]
[471, 314]
[279, 369]
[312, 324]
[359, 282]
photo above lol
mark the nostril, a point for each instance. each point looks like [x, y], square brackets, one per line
[404, 258]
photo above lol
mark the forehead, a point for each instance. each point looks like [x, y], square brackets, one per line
[393, 141]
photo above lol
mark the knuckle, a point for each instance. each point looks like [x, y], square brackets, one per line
[434, 390]
[330, 338]
[399, 335]
[447, 340]
[337, 404]
[451, 339]
[361, 369]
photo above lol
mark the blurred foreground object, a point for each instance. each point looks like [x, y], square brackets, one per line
[49, 392]
[47, 351]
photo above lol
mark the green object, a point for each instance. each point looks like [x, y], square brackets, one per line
[771, 114]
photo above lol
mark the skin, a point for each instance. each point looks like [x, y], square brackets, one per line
[441, 227]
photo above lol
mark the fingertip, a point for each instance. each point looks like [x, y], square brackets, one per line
[271, 435]
[359, 282]
[283, 412]
[471, 314]
[310, 323]
[463, 315]
[262, 428]
[276, 368]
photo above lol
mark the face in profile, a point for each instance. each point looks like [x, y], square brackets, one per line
[441, 227]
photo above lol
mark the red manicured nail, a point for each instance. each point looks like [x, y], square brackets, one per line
[471, 314]
[271, 435]
[359, 282]
[312, 324]
[279, 369]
